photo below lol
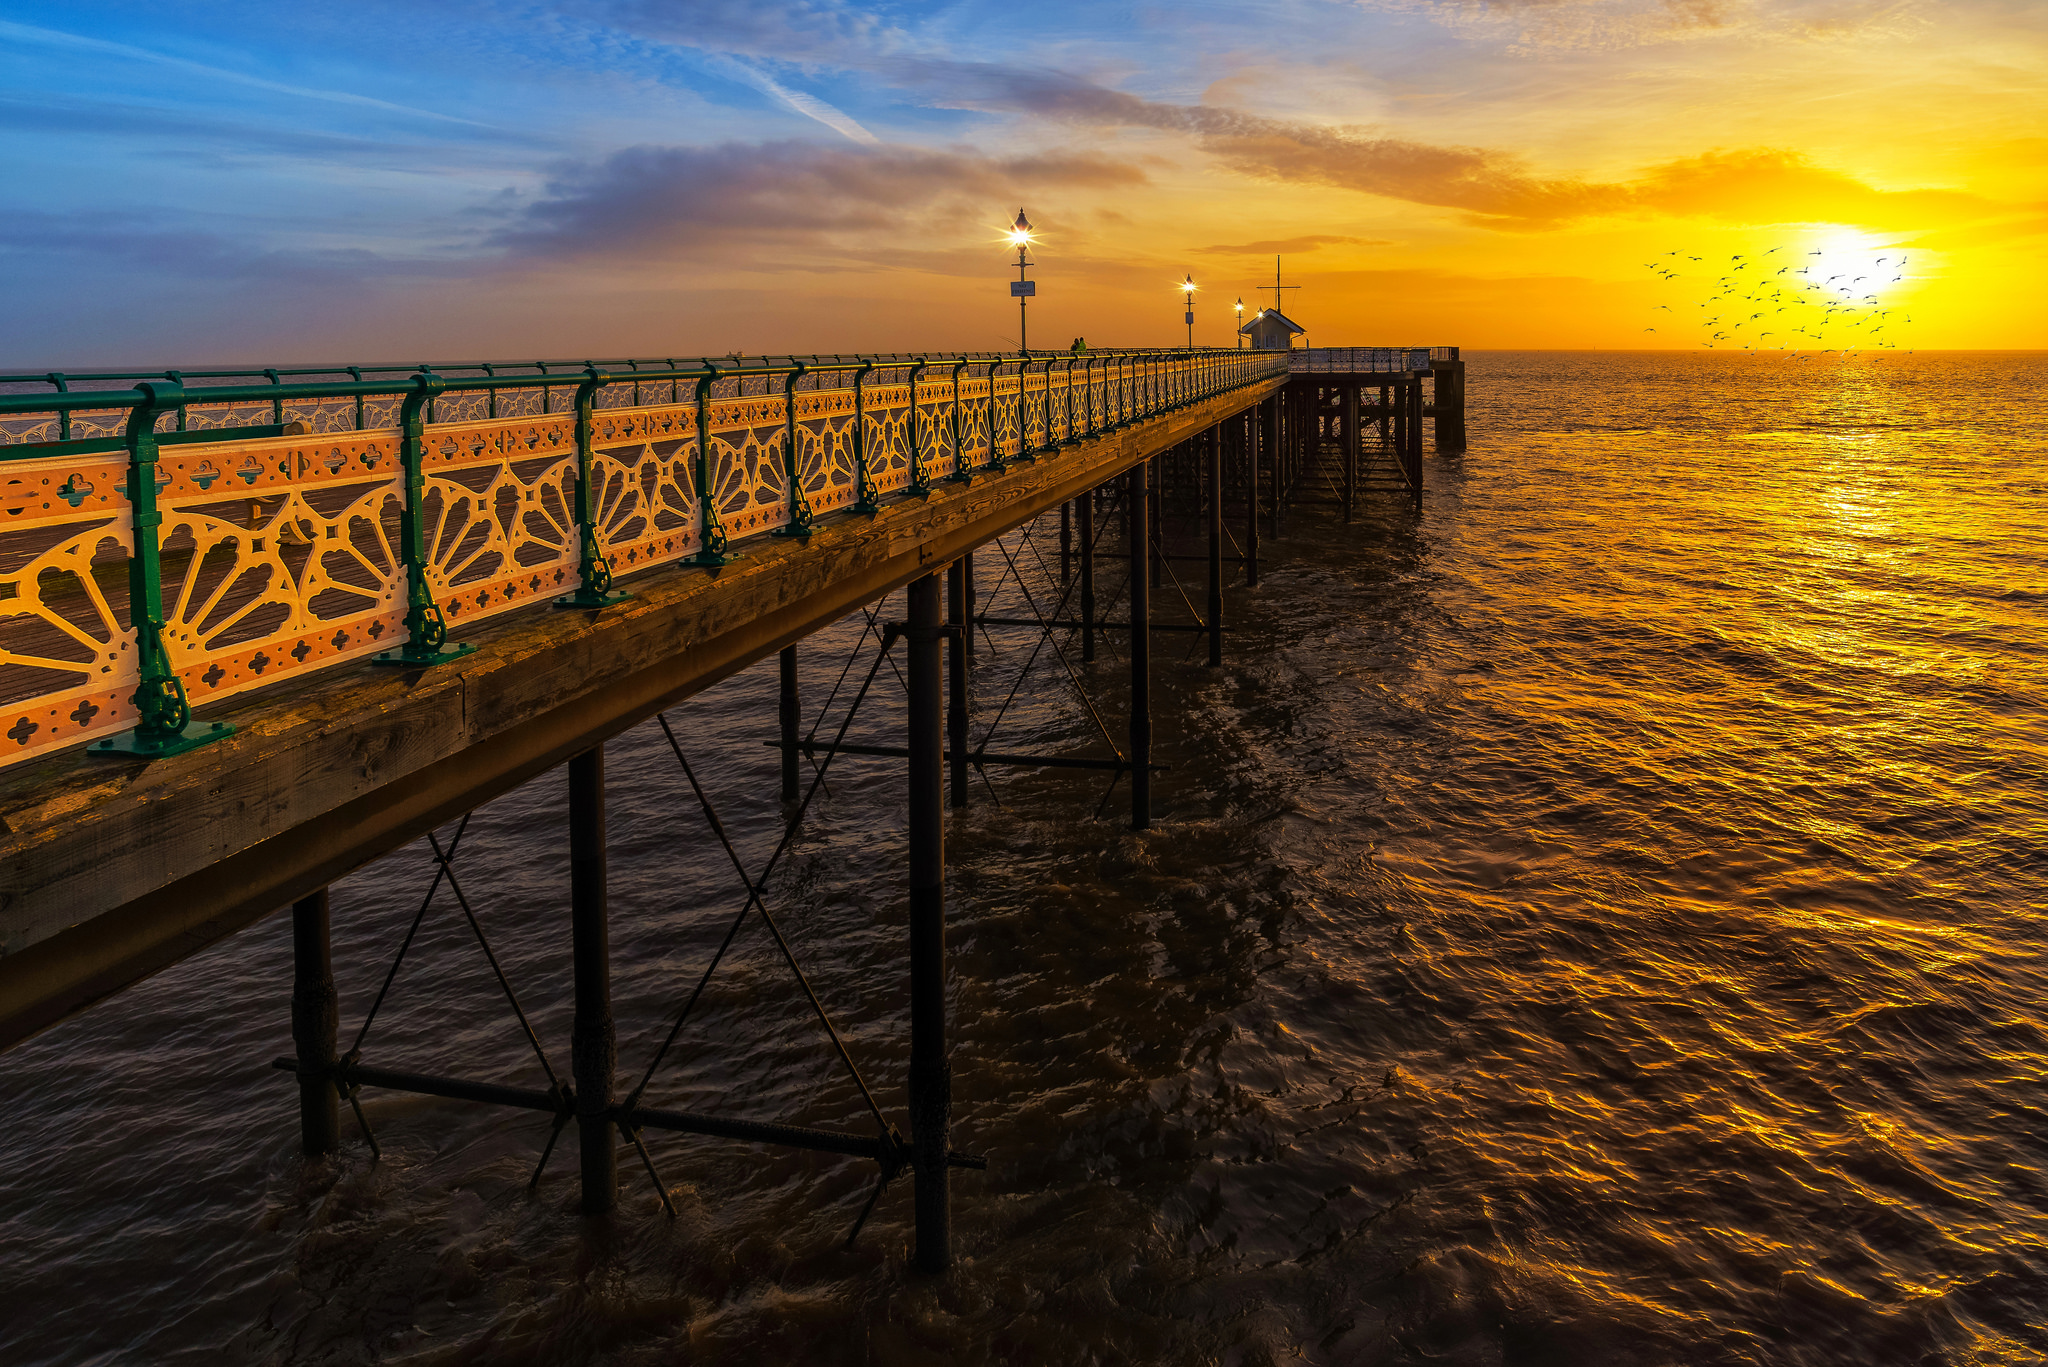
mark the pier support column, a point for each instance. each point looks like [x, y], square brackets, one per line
[1276, 454]
[1066, 541]
[967, 622]
[1351, 449]
[1156, 538]
[931, 1075]
[956, 685]
[790, 712]
[316, 1016]
[593, 1040]
[1137, 506]
[1448, 390]
[1398, 428]
[1085, 505]
[1415, 434]
[1214, 438]
[1253, 440]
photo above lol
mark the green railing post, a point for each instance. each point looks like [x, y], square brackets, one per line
[1068, 436]
[57, 378]
[996, 462]
[867, 498]
[163, 717]
[920, 478]
[711, 538]
[800, 515]
[961, 474]
[595, 590]
[426, 641]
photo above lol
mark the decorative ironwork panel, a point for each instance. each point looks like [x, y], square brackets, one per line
[278, 556]
[281, 554]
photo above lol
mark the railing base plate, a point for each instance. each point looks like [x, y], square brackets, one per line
[425, 659]
[135, 745]
[590, 602]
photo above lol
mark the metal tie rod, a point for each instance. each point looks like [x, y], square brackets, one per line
[1067, 622]
[636, 1117]
[974, 756]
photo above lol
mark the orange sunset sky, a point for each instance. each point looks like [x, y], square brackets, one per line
[197, 183]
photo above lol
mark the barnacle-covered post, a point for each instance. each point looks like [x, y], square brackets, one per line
[163, 717]
[596, 589]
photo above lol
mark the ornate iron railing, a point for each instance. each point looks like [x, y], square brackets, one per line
[1354, 360]
[170, 544]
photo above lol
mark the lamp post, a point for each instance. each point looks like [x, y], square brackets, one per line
[1187, 293]
[1020, 238]
[1240, 322]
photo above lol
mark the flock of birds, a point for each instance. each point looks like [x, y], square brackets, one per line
[1761, 304]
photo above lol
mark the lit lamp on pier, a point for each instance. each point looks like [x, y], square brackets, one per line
[1240, 322]
[1022, 289]
[1187, 293]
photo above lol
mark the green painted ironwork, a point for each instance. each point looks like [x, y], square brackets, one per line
[800, 515]
[920, 477]
[711, 539]
[595, 567]
[426, 642]
[163, 716]
[963, 473]
[867, 495]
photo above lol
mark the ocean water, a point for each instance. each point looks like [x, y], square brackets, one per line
[1597, 918]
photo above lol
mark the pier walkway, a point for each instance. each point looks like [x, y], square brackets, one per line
[257, 634]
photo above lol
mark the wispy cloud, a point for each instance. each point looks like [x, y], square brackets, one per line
[671, 203]
[1307, 243]
[28, 33]
[809, 106]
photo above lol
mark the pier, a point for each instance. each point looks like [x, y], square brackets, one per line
[263, 627]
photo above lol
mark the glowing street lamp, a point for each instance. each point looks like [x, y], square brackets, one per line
[1187, 291]
[1020, 238]
[1240, 321]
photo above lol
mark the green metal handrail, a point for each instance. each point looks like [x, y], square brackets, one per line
[1134, 384]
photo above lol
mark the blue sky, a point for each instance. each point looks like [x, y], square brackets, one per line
[199, 183]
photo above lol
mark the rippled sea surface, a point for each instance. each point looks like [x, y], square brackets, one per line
[1597, 919]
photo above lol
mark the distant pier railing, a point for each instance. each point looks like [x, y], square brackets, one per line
[1353, 360]
[165, 542]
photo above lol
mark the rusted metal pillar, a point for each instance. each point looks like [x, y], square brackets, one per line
[1137, 506]
[316, 1016]
[790, 712]
[956, 684]
[1086, 506]
[1215, 439]
[931, 1074]
[593, 1040]
[1254, 438]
